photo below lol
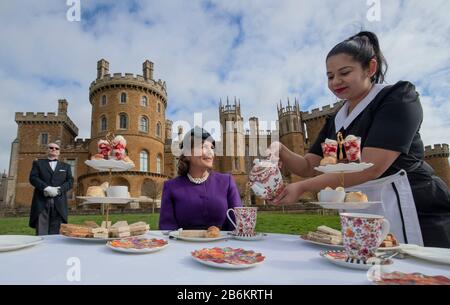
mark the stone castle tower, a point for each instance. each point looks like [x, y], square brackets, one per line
[437, 157]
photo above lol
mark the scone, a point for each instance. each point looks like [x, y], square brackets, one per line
[213, 232]
[356, 197]
[328, 160]
[95, 191]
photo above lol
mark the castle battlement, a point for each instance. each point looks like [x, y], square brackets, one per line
[318, 113]
[230, 108]
[129, 79]
[289, 109]
[439, 150]
[45, 118]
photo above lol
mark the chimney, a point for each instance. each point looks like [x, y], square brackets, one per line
[168, 129]
[102, 68]
[62, 107]
[147, 69]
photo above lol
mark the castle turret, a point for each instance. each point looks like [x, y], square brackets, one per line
[291, 127]
[102, 68]
[233, 137]
[147, 69]
[437, 157]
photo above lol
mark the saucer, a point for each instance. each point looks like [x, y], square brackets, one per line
[257, 236]
[340, 258]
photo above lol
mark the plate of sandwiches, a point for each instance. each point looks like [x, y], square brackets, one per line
[213, 233]
[91, 231]
[137, 245]
[228, 258]
[324, 236]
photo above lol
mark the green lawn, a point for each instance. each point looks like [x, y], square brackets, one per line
[270, 222]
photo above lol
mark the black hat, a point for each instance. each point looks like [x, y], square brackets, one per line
[197, 132]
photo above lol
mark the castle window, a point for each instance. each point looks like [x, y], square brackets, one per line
[143, 124]
[123, 98]
[144, 101]
[158, 164]
[143, 161]
[158, 129]
[159, 107]
[123, 121]
[103, 123]
[103, 102]
[44, 138]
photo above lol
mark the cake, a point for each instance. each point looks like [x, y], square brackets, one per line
[389, 241]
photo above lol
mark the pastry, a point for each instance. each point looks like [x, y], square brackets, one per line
[95, 191]
[356, 197]
[389, 241]
[352, 146]
[329, 148]
[97, 157]
[212, 232]
[328, 160]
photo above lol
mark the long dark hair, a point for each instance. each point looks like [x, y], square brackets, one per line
[363, 47]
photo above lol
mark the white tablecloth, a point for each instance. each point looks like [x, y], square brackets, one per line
[289, 260]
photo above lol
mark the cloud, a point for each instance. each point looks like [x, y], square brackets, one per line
[260, 51]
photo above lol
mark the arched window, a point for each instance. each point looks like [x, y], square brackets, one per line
[143, 161]
[103, 102]
[158, 129]
[144, 101]
[103, 123]
[123, 121]
[159, 107]
[158, 164]
[143, 124]
[123, 98]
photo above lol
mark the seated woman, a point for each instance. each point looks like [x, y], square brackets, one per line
[199, 197]
[388, 119]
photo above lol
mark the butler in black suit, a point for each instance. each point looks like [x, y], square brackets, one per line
[51, 180]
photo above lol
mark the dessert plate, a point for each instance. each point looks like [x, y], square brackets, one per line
[228, 258]
[340, 258]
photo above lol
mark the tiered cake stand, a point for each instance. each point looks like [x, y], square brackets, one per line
[108, 166]
[341, 169]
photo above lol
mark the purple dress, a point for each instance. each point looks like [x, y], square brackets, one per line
[197, 206]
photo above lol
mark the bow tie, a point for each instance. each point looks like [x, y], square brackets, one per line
[52, 160]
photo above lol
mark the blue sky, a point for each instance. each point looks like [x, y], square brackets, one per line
[259, 51]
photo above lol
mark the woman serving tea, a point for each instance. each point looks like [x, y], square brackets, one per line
[199, 197]
[387, 119]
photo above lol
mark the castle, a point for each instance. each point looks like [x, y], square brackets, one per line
[134, 106]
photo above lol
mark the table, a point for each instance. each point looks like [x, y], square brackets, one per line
[289, 260]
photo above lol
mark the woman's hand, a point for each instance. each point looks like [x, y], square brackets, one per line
[290, 194]
[273, 152]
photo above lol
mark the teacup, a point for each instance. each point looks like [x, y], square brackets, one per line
[330, 195]
[362, 234]
[117, 191]
[266, 180]
[245, 220]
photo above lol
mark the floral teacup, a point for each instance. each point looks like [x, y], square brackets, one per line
[245, 220]
[362, 234]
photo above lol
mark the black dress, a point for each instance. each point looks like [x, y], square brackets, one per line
[392, 121]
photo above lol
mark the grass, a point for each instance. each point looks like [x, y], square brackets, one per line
[269, 222]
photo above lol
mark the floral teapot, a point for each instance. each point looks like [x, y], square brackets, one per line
[265, 178]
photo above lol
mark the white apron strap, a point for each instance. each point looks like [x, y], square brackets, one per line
[397, 205]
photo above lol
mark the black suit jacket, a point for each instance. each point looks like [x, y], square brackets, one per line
[42, 176]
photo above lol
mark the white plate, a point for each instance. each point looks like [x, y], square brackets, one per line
[106, 200]
[226, 265]
[136, 251]
[176, 235]
[437, 255]
[106, 165]
[346, 205]
[92, 239]
[352, 263]
[321, 244]
[257, 236]
[16, 242]
[343, 167]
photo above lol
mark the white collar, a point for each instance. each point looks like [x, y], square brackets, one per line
[342, 118]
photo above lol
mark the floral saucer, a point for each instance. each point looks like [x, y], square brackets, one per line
[340, 258]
